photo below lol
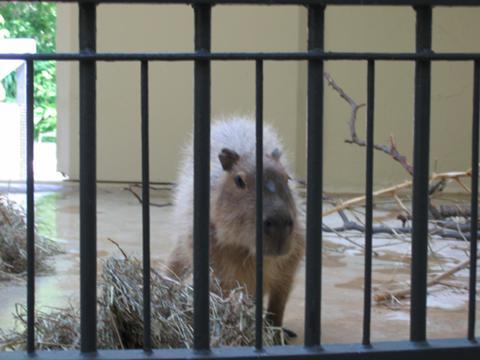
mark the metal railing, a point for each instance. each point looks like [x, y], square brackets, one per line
[418, 347]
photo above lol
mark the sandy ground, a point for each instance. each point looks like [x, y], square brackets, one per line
[119, 218]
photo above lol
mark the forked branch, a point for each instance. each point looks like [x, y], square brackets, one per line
[390, 149]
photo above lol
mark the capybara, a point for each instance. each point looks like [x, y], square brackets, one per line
[232, 216]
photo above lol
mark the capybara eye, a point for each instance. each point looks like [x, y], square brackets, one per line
[239, 182]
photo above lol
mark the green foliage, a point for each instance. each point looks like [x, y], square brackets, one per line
[37, 21]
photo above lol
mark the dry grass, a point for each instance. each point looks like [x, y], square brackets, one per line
[13, 243]
[55, 329]
[120, 315]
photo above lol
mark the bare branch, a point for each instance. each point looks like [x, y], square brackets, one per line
[139, 198]
[398, 294]
[390, 149]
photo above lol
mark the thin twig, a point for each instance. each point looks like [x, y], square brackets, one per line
[140, 200]
[361, 199]
[400, 203]
[462, 185]
[402, 293]
[119, 247]
[327, 228]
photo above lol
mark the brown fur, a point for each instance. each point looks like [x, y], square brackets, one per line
[235, 266]
[232, 231]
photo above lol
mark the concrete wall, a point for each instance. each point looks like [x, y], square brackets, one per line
[241, 28]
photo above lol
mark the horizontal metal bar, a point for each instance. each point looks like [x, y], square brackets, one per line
[435, 349]
[223, 56]
[286, 2]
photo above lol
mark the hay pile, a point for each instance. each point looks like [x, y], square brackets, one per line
[55, 329]
[120, 317]
[13, 243]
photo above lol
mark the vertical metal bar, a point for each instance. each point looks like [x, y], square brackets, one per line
[474, 203]
[147, 345]
[30, 213]
[88, 201]
[314, 178]
[201, 180]
[259, 204]
[21, 78]
[367, 301]
[420, 200]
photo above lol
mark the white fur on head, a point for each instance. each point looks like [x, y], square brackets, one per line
[236, 134]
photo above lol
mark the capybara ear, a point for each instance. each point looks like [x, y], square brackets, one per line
[276, 153]
[228, 158]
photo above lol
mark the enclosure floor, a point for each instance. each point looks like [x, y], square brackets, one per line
[119, 219]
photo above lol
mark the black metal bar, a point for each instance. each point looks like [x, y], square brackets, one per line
[259, 205]
[290, 2]
[88, 196]
[30, 212]
[367, 291]
[474, 204]
[446, 349]
[201, 203]
[147, 342]
[202, 57]
[313, 265]
[247, 56]
[420, 201]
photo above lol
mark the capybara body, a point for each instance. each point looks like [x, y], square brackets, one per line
[232, 214]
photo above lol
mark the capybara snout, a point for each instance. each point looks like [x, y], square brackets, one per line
[279, 211]
[278, 229]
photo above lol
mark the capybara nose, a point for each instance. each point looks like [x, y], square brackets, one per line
[278, 226]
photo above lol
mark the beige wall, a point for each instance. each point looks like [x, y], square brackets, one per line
[169, 28]
[237, 28]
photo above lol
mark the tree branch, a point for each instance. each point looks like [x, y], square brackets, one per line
[398, 294]
[390, 149]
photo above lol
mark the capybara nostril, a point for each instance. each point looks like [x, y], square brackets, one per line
[278, 227]
[268, 225]
[278, 222]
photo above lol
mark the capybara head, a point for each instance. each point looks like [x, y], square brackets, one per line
[233, 206]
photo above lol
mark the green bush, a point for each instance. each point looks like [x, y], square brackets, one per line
[36, 21]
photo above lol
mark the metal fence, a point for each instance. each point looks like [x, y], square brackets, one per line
[418, 346]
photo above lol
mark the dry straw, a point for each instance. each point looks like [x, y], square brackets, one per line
[120, 315]
[13, 243]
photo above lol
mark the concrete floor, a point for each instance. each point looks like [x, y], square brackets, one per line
[119, 218]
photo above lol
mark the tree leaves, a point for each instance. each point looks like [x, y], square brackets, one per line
[37, 21]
